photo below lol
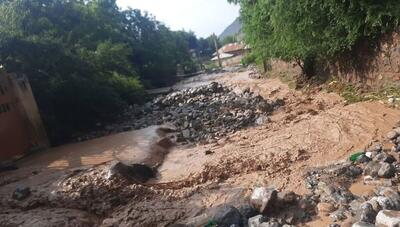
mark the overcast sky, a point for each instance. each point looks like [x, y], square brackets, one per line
[200, 16]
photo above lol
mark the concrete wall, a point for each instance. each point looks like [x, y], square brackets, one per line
[21, 128]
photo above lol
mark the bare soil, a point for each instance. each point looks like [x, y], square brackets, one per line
[69, 185]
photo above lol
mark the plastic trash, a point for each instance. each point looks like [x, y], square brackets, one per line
[356, 156]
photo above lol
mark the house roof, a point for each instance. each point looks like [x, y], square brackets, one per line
[222, 56]
[232, 47]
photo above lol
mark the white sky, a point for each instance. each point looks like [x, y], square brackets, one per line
[200, 16]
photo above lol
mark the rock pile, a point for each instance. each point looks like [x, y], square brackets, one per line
[202, 114]
[331, 195]
[375, 167]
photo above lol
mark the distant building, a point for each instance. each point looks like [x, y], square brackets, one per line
[231, 54]
[21, 128]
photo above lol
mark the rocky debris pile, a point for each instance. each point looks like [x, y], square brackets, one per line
[266, 207]
[376, 168]
[201, 114]
[207, 113]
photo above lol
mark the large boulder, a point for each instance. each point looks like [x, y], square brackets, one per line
[389, 218]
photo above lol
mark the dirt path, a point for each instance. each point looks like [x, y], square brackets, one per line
[310, 130]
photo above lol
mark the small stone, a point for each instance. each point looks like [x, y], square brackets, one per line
[334, 225]
[392, 135]
[209, 152]
[263, 198]
[21, 193]
[186, 133]
[387, 170]
[388, 218]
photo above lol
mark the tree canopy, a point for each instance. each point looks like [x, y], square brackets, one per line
[309, 30]
[87, 59]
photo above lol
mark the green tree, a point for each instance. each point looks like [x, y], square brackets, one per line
[310, 31]
[86, 59]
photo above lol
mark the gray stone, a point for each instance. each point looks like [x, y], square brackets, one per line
[362, 224]
[227, 215]
[385, 203]
[372, 168]
[263, 198]
[368, 213]
[388, 218]
[383, 157]
[387, 170]
[256, 221]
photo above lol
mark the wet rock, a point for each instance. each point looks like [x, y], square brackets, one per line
[227, 215]
[21, 193]
[385, 203]
[256, 221]
[263, 198]
[388, 218]
[368, 213]
[387, 170]
[135, 173]
[362, 224]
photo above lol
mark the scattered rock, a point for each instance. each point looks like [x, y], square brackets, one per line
[263, 198]
[387, 170]
[388, 218]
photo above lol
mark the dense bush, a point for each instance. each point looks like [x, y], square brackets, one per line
[307, 31]
[87, 60]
